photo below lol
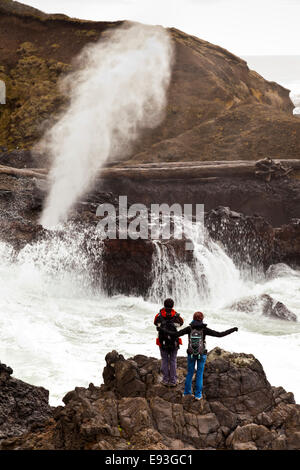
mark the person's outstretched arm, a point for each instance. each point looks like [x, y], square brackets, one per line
[182, 332]
[219, 334]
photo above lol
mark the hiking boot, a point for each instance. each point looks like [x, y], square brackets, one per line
[165, 384]
[198, 398]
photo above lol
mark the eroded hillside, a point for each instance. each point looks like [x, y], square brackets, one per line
[217, 109]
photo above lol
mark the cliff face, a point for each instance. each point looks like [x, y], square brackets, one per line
[35, 50]
[217, 108]
[132, 410]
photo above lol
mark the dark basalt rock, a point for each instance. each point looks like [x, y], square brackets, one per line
[279, 310]
[277, 202]
[249, 240]
[279, 270]
[126, 265]
[23, 407]
[266, 305]
[132, 410]
[287, 243]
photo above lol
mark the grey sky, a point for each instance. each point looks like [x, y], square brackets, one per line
[245, 27]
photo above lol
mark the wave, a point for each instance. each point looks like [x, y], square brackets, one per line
[56, 328]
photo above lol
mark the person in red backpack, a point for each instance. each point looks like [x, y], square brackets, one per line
[197, 353]
[168, 344]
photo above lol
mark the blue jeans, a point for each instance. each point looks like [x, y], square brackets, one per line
[199, 375]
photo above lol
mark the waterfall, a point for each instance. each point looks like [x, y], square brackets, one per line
[211, 277]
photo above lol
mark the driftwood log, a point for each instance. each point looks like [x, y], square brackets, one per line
[182, 170]
[169, 170]
[25, 172]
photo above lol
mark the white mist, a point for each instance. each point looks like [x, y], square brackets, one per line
[118, 89]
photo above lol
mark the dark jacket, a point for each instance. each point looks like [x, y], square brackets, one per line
[200, 325]
[173, 315]
[160, 319]
[206, 331]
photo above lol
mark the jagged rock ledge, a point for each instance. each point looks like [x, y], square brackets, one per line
[132, 410]
[23, 407]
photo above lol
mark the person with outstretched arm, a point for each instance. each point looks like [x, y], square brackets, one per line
[197, 331]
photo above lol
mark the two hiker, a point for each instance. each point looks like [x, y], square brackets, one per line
[169, 340]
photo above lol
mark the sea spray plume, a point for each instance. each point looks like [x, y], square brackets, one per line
[118, 90]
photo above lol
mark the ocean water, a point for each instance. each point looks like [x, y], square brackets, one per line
[284, 70]
[55, 329]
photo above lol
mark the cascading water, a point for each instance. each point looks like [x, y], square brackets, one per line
[212, 276]
[56, 326]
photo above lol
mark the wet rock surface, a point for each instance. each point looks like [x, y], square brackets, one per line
[268, 306]
[277, 202]
[23, 407]
[280, 270]
[250, 240]
[133, 410]
[287, 242]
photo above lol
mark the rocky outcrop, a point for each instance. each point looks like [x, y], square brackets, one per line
[183, 183]
[276, 309]
[251, 241]
[287, 243]
[126, 266]
[217, 108]
[23, 407]
[280, 270]
[248, 239]
[266, 305]
[132, 410]
[278, 201]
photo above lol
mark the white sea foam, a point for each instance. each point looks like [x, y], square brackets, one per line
[55, 329]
